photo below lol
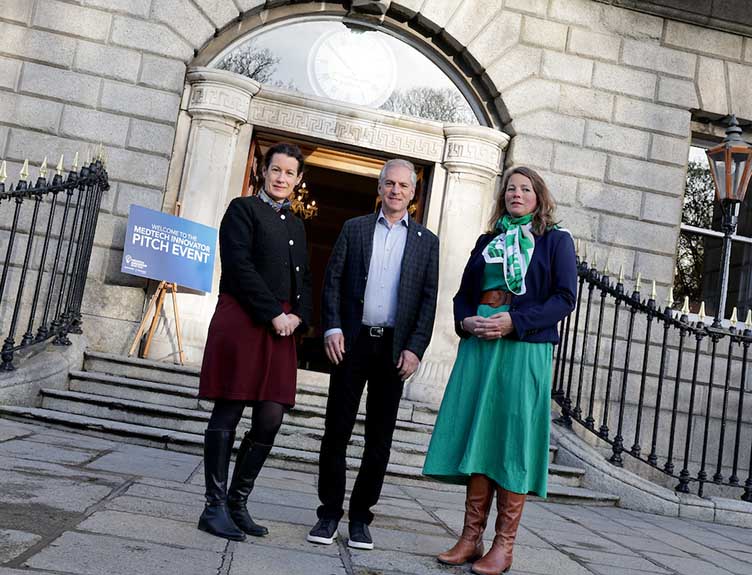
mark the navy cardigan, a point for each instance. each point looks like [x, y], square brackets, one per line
[551, 283]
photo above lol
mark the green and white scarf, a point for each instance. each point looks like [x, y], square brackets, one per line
[513, 248]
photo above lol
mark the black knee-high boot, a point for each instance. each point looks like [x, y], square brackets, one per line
[248, 464]
[216, 516]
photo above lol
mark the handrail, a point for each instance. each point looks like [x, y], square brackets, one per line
[67, 237]
[665, 403]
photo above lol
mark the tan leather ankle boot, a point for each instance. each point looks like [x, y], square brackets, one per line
[480, 490]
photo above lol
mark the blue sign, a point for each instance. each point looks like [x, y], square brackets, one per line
[164, 247]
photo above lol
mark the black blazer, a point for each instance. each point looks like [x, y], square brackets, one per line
[551, 288]
[347, 273]
[264, 260]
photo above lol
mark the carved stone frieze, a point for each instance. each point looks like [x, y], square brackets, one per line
[348, 129]
[474, 149]
[220, 93]
[219, 100]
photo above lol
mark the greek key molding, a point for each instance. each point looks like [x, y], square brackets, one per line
[474, 149]
[348, 129]
[216, 99]
[221, 93]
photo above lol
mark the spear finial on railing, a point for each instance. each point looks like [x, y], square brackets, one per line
[59, 168]
[653, 294]
[605, 266]
[621, 274]
[74, 166]
[670, 298]
[638, 282]
[43, 169]
[734, 319]
[100, 152]
[748, 321]
[685, 306]
[584, 253]
[25, 170]
[595, 260]
[701, 313]
[3, 172]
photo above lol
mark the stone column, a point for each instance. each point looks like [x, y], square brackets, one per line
[215, 161]
[473, 157]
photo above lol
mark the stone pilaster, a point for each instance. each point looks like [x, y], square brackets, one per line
[215, 161]
[473, 157]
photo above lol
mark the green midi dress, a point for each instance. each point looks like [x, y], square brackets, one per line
[495, 415]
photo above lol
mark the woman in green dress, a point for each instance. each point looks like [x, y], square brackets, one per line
[492, 430]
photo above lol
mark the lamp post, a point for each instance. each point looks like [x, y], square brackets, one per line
[731, 167]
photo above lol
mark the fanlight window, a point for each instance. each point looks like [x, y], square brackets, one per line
[355, 64]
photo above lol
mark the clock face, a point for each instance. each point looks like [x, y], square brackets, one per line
[359, 68]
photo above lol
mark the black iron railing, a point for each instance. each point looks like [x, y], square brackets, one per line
[656, 386]
[50, 232]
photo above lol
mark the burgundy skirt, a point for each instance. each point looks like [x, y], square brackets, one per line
[244, 360]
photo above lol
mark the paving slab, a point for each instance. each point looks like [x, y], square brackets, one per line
[290, 536]
[13, 543]
[610, 559]
[415, 543]
[25, 449]
[149, 462]
[90, 554]
[188, 512]
[272, 561]
[379, 561]
[13, 429]
[611, 570]
[58, 493]
[689, 565]
[154, 529]
[56, 437]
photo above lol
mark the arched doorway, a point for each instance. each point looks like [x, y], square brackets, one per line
[226, 114]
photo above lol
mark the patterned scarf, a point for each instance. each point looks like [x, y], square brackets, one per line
[264, 197]
[513, 248]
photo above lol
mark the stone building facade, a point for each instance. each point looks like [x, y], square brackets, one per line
[602, 99]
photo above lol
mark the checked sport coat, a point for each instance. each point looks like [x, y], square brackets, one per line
[347, 274]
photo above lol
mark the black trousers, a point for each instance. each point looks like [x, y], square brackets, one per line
[369, 360]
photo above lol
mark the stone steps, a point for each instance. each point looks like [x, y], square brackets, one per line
[192, 420]
[312, 386]
[282, 457]
[157, 404]
[305, 413]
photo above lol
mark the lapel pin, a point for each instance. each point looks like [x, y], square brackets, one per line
[420, 234]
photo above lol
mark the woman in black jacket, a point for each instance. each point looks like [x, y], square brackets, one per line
[250, 356]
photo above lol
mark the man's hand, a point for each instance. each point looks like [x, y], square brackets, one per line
[407, 364]
[334, 346]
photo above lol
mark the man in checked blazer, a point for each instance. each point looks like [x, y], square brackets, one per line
[379, 302]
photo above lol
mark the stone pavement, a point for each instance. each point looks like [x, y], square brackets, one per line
[76, 504]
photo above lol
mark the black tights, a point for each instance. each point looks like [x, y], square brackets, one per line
[267, 418]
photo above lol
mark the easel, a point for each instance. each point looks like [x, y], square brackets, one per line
[157, 301]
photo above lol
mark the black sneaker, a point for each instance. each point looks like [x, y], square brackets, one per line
[360, 536]
[324, 532]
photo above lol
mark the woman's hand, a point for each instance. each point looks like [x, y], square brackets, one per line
[284, 324]
[493, 327]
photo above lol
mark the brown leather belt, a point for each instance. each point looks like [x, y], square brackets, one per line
[496, 297]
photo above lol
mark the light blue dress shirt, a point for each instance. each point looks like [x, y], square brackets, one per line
[382, 286]
[384, 271]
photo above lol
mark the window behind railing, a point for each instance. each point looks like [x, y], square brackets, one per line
[698, 255]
